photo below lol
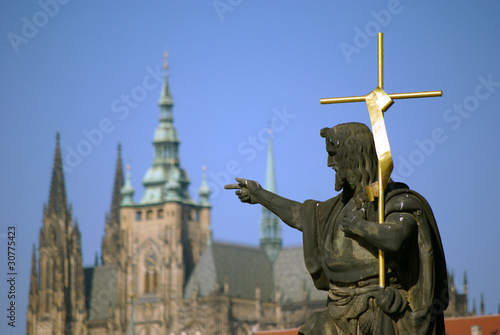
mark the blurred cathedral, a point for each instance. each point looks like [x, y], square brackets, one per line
[161, 273]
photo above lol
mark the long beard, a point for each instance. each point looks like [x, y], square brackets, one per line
[348, 180]
[345, 178]
[340, 180]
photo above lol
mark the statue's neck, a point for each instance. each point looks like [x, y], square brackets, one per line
[347, 193]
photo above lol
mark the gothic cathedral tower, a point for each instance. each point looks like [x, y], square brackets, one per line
[161, 237]
[56, 299]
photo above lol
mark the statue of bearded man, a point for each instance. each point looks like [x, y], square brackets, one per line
[341, 239]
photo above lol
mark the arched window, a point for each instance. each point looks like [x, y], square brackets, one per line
[53, 234]
[49, 273]
[151, 271]
[49, 282]
[149, 215]
[138, 215]
[160, 214]
[147, 282]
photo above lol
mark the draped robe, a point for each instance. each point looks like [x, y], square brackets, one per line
[347, 267]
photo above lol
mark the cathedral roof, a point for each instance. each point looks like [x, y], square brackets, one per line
[292, 279]
[245, 268]
[100, 291]
[239, 269]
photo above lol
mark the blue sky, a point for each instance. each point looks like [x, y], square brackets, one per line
[235, 65]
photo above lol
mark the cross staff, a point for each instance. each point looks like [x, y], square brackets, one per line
[378, 102]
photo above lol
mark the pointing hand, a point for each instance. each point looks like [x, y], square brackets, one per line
[246, 189]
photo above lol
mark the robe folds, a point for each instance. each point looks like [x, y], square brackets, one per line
[417, 272]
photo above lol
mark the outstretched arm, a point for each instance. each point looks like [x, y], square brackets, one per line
[251, 192]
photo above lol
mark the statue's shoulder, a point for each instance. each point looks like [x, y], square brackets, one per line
[321, 210]
[400, 198]
[310, 203]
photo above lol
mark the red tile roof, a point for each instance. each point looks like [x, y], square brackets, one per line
[490, 324]
[458, 326]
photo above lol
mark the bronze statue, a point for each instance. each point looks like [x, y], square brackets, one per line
[341, 239]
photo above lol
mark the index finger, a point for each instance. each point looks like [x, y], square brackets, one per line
[232, 186]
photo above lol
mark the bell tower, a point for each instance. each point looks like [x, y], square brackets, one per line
[164, 233]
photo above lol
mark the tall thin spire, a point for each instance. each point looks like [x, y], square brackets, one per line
[116, 198]
[270, 180]
[127, 190]
[111, 240]
[465, 283]
[57, 196]
[270, 236]
[34, 277]
[166, 154]
[165, 96]
[204, 190]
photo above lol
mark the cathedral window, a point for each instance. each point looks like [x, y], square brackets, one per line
[49, 282]
[50, 274]
[53, 236]
[151, 273]
[149, 215]
[160, 214]
[147, 282]
[138, 216]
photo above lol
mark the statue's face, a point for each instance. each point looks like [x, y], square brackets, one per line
[334, 162]
[332, 155]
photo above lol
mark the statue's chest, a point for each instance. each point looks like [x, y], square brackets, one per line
[347, 246]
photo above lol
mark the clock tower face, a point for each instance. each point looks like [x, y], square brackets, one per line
[150, 260]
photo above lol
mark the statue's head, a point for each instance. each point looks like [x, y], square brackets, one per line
[351, 153]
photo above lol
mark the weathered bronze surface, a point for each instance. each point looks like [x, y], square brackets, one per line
[379, 102]
[342, 237]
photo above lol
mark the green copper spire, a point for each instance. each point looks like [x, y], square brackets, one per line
[173, 185]
[127, 191]
[165, 97]
[270, 236]
[166, 156]
[270, 181]
[204, 191]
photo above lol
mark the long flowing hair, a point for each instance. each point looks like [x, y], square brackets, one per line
[355, 150]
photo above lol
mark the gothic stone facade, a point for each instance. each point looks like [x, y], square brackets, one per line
[160, 271]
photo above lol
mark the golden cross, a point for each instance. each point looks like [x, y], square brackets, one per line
[165, 59]
[378, 102]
